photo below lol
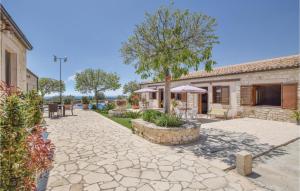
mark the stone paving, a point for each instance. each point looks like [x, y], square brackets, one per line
[94, 153]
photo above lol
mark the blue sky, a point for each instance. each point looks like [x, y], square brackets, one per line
[90, 32]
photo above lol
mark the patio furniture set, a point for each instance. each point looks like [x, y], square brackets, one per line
[59, 109]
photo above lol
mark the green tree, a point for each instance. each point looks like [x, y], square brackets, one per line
[49, 85]
[168, 44]
[96, 81]
[130, 87]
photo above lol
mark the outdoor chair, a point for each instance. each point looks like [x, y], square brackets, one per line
[52, 108]
[193, 113]
[69, 107]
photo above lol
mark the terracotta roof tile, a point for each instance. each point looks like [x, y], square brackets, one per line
[261, 65]
[256, 66]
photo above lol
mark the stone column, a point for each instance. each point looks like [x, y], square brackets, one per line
[244, 163]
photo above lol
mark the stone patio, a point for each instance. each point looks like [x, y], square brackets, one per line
[221, 140]
[94, 153]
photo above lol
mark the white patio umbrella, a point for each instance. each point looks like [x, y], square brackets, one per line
[145, 90]
[188, 89]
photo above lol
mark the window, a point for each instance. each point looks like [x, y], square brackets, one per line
[177, 96]
[153, 95]
[284, 95]
[268, 95]
[221, 94]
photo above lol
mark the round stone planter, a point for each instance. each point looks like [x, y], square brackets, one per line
[164, 135]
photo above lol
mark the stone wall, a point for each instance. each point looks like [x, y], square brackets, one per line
[11, 44]
[268, 113]
[163, 135]
[32, 81]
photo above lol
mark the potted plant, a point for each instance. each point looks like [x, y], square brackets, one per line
[134, 101]
[85, 102]
[68, 103]
[296, 116]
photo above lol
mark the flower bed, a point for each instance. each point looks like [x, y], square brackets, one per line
[186, 133]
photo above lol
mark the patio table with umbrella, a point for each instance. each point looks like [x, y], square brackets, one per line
[145, 90]
[188, 89]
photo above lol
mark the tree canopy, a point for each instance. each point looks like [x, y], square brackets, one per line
[96, 81]
[130, 87]
[169, 43]
[49, 85]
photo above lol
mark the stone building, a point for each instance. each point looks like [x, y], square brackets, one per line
[32, 81]
[266, 89]
[14, 47]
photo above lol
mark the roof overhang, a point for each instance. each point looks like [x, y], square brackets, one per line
[7, 19]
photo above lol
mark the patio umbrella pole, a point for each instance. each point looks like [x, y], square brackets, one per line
[186, 106]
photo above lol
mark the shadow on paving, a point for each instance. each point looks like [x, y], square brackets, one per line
[223, 145]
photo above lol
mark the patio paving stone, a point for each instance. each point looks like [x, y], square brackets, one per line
[94, 153]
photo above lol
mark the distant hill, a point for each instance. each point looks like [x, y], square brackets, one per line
[79, 97]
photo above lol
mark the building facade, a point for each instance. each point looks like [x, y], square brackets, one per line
[14, 47]
[266, 89]
[32, 81]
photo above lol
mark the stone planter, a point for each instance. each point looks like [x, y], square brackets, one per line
[85, 106]
[68, 106]
[167, 136]
[116, 113]
[135, 107]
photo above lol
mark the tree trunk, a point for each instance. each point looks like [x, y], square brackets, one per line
[167, 93]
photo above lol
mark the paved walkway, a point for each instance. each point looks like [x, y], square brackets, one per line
[280, 169]
[94, 153]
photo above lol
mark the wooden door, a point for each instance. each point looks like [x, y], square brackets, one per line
[199, 103]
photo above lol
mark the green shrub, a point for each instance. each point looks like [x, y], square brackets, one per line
[23, 150]
[132, 114]
[68, 100]
[167, 120]
[110, 106]
[151, 115]
[94, 107]
[33, 103]
[107, 107]
[85, 100]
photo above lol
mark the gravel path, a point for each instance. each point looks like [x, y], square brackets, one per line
[94, 153]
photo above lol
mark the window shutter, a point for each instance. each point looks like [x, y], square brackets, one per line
[289, 96]
[225, 95]
[183, 97]
[247, 97]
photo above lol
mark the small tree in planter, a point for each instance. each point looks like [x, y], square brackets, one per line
[296, 116]
[85, 102]
[68, 102]
[168, 44]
